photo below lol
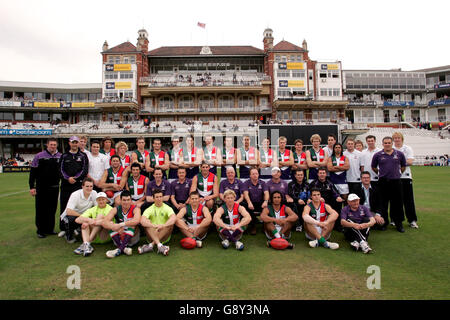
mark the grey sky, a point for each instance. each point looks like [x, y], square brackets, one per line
[60, 41]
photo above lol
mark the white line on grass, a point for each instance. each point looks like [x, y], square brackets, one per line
[12, 193]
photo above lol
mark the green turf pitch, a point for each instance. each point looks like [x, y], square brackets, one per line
[413, 265]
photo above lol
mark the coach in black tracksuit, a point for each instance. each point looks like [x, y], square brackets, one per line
[74, 168]
[44, 186]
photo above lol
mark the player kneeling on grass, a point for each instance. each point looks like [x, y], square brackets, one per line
[91, 224]
[123, 229]
[278, 219]
[357, 221]
[158, 221]
[231, 220]
[319, 220]
[194, 219]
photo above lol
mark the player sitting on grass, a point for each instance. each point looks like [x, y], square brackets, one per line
[158, 221]
[319, 220]
[194, 219]
[278, 219]
[357, 221]
[231, 219]
[91, 224]
[123, 230]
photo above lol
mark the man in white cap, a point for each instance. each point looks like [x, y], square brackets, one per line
[357, 221]
[91, 225]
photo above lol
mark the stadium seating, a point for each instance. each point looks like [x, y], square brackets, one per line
[423, 142]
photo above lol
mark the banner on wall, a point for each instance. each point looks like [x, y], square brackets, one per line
[47, 104]
[295, 66]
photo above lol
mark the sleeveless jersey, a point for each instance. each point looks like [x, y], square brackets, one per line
[141, 157]
[267, 157]
[124, 216]
[114, 177]
[125, 161]
[190, 158]
[227, 155]
[232, 217]
[157, 158]
[111, 152]
[136, 187]
[316, 157]
[319, 216]
[244, 171]
[285, 170]
[205, 187]
[194, 217]
[339, 177]
[300, 159]
[277, 215]
[210, 155]
[174, 156]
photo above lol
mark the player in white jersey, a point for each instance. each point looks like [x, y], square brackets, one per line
[406, 179]
[354, 172]
[366, 160]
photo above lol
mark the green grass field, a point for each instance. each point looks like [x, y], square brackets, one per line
[414, 265]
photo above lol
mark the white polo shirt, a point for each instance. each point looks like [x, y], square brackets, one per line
[77, 202]
[354, 172]
[366, 162]
[409, 154]
[97, 165]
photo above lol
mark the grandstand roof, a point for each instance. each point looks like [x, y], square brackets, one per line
[122, 48]
[436, 69]
[55, 86]
[287, 46]
[216, 51]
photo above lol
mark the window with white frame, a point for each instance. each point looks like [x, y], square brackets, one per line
[246, 101]
[132, 59]
[186, 102]
[206, 102]
[323, 92]
[117, 59]
[126, 75]
[166, 102]
[263, 101]
[284, 92]
[283, 74]
[298, 74]
[111, 75]
[336, 92]
[226, 101]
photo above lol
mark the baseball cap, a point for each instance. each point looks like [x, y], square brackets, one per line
[275, 169]
[101, 195]
[74, 138]
[352, 197]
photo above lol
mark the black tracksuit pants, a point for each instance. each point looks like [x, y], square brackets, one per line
[66, 191]
[46, 202]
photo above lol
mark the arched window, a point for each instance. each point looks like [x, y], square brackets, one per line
[166, 102]
[205, 103]
[246, 101]
[186, 102]
[226, 101]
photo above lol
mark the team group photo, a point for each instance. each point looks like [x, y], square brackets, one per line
[224, 152]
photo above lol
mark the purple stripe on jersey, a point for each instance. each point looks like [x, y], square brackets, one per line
[44, 155]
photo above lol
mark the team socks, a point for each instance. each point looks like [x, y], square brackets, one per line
[322, 241]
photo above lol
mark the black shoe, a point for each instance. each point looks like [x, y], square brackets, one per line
[53, 233]
[400, 228]
[41, 236]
